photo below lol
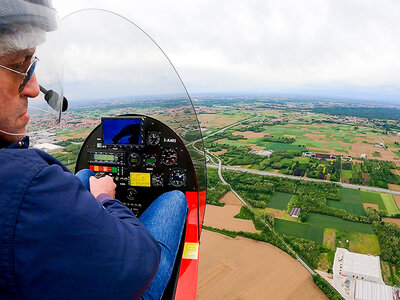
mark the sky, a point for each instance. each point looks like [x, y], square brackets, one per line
[339, 47]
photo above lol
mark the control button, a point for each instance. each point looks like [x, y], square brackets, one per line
[114, 170]
[91, 168]
[96, 169]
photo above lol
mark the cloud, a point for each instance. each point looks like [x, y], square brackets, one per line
[265, 45]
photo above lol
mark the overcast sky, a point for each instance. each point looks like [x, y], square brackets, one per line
[338, 47]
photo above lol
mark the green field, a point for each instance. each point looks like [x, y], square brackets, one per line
[390, 204]
[354, 208]
[333, 222]
[281, 146]
[313, 229]
[279, 200]
[347, 174]
[374, 198]
[350, 195]
[301, 230]
[350, 200]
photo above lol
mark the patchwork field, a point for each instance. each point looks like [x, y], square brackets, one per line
[351, 207]
[350, 200]
[314, 228]
[219, 120]
[279, 200]
[390, 205]
[353, 241]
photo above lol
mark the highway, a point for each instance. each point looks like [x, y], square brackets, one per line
[345, 185]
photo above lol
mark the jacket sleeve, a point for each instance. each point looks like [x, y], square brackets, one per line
[67, 245]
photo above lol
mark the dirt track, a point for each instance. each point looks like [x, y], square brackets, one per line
[246, 269]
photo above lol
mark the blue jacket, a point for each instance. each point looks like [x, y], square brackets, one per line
[58, 242]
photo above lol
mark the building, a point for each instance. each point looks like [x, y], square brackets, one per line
[47, 147]
[295, 212]
[359, 277]
[366, 290]
[320, 156]
[266, 153]
[359, 266]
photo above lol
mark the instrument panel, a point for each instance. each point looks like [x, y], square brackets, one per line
[144, 156]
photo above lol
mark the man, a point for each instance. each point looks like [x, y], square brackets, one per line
[57, 239]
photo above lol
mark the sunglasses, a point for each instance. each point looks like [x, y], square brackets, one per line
[25, 76]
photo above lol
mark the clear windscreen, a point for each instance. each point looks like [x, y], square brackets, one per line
[45, 112]
[113, 68]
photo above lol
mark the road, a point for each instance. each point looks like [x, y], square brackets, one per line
[210, 155]
[345, 185]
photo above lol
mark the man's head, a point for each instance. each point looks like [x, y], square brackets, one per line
[23, 25]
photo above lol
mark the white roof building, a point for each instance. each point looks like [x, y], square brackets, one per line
[47, 147]
[359, 277]
[359, 266]
[366, 290]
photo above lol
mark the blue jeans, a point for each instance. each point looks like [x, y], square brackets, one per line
[164, 219]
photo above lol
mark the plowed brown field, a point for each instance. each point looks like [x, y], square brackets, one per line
[246, 269]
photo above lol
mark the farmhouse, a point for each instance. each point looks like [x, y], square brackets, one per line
[320, 156]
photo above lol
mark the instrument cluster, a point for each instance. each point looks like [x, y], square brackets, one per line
[144, 157]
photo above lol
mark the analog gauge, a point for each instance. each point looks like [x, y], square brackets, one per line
[153, 138]
[131, 194]
[169, 156]
[150, 160]
[177, 177]
[133, 159]
[157, 180]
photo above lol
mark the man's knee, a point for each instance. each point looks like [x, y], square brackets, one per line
[175, 200]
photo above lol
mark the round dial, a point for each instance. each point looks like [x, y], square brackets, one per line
[150, 160]
[177, 177]
[133, 159]
[153, 138]
[157, 180]
[169, 156]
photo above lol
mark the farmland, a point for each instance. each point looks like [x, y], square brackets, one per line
[368, 146]
[313, 229]
[279, 200]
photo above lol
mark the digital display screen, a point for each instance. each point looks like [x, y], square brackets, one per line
[140, 179]
[104, 157]
[150, 161]
[122, 132]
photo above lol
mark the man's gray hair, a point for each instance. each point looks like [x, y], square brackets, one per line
[20, 37]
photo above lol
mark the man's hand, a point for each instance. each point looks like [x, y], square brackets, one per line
[102, 185]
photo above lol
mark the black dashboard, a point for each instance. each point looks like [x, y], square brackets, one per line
[144, 156]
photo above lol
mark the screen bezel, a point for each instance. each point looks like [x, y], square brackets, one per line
[141, 132]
